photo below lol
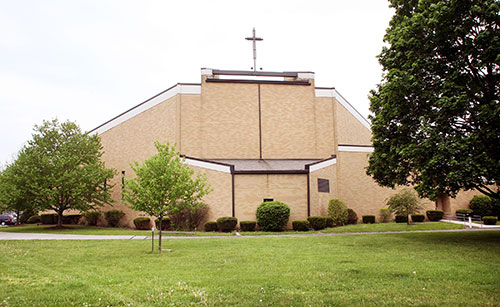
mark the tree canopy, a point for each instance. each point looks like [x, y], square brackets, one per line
[164, 185]
[60, 169]
[14, 195]
[436, 122]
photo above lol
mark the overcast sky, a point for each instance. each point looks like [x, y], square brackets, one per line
[88, 61]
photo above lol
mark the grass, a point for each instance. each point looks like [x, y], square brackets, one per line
[431, 269]
[93, 230]
[392, 226]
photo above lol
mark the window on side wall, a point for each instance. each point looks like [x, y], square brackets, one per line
[323, 185]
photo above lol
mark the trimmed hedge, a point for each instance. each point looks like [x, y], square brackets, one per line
[317, 222]
[272, 215]
[92, 217]
[71, 218]
[142, 223]
[33, 219]
[113, 217]
[49, 218]
[352, 217]
[329, 222]
[464, 211]
[490, 220]
[401, 218]
[227, 223]
[248, 225]
[434, 215]
[211, 226]
[368, 219]
[417, 218]
[301, 225]
[165, 223]
[337, 210]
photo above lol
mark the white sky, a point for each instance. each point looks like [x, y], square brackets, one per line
[88, 61]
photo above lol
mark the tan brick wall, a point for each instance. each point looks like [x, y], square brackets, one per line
[250, 191]
[324, 127]
[319, 200]
[348, 129]
[190, 125]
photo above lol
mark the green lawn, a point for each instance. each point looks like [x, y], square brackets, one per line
[425, 269]
[387, 227]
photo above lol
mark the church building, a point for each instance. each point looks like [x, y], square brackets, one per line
[258, 136]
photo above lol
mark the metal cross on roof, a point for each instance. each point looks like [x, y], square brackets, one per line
[254, 39]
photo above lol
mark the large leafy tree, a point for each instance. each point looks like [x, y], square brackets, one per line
[61, 169]
[164, 185]
[436, 122]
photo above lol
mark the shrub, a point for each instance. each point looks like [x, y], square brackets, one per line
[49, 218]
[248, 225]
[352, 217]
[404, 202]
[227, 223]
[490, 220]
[434, 215]
[272, 215]
[113, 217]
[165, 223]
[33, 219]
[463, 211]
[417, 218]
[329, 222]
[317, 222]
[385, 215]
[189, 217]
[481, 205]
[300, 225]
[211, 226]
[142, 223]
[92, 217]
[337, 210]
[71, 218]
[401, 218]
[368, 219]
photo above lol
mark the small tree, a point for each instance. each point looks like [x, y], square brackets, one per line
[164, 185]
[13, 193]
[405, 203]
[337, 210]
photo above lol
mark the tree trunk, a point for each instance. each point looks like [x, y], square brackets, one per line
[159, 241]
[60, 219]
[18, 220]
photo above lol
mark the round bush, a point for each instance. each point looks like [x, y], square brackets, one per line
[317, 222]
[113, 217]
[490, 220]
[272, 215]
[401, 218]
[434, 215]
[248, 225]
[165, 223]
[329, 222]
[481, 205]
[300, 225]
[142, 223]
[417, 218]
[92, 217]
[337, 210]
[385, 215]
[227, 223]
[33, 219]
[49, 218]
[352, 217]
[211, 226]
[368, 219]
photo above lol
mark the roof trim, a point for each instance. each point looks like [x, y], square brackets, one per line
[312, 167]
[355, 148]
[179, 88]
[257, 81]
[216, 166]
[333, 93]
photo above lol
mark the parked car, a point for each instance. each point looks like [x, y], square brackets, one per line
[7, 219]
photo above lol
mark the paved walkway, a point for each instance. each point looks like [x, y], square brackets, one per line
[49, 236]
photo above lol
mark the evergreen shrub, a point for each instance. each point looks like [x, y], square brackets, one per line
[301, 225]
[272, 215]
[368, 219]
[434, 215]
[142, 223]
[211, 226]
[165, 223]
[33, 219]
[92, 217]
[317, 222]
[113, 217]
[417, 218]
[227, 223]
[481, 205]
[352, 217]
[490, 220]
[49, 218]
[71, 218]
[329, 222]
[337, 210]
[248, 225]
[401, 218]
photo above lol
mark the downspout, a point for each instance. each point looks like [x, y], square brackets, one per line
[232, 192]
[308, 193]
